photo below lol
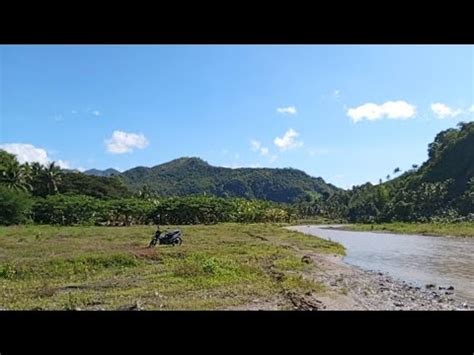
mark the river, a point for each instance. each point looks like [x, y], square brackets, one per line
[417, 259]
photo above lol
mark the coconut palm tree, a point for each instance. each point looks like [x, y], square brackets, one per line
[15, 177]
[53, 177]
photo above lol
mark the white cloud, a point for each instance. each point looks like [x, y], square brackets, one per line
[273, 158]
[471, 109]
[256, 165]
[336, 94]
[290, 110]
[442, 110]
[288, 141]
[96, 113]
[64, 164]
[256, 146]
[397, 110]
[237, 156]
[123, 142]
[28, 153]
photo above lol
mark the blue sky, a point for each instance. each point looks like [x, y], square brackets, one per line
[349, 114]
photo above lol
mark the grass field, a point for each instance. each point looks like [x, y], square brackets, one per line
[464, 229]
[217, 267]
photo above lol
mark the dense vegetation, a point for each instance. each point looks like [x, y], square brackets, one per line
[193, 176]
[95, 186]
[85, 210]
[442, 189]
[47, 195]
[188, 190]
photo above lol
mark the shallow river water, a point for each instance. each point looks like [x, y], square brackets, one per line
[418, 259]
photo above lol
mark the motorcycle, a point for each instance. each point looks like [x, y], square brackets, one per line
[174, 238]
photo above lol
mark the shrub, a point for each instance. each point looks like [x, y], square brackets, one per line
[14, 206]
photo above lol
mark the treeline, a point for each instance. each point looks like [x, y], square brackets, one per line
[47, 195]
[43, 180]
[442, 189]
[85, 210]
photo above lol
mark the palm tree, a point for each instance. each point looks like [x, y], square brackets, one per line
[396, 170]
[16, 177]
[388, 177]
[53, 177]
[38, 179]
[414, 166]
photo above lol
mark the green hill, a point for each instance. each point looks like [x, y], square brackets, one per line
[442, 188]
[190, 176]
[107, 172]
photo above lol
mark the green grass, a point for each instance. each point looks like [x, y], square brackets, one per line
[316, 220]
[462, 229]
[218, 266]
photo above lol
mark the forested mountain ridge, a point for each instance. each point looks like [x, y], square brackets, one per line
[189, 176]
[97, 172]
[442, 188]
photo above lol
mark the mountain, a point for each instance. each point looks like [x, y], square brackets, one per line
[107, 172]
[441, 188]
[188, 176]
[450, 160]
[451, 156]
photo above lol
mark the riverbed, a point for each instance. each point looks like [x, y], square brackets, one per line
[440, 262]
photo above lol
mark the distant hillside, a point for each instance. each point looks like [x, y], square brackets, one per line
[451, 156]
[450, 160]
[443, 187]
[96, 172]
[189, 176]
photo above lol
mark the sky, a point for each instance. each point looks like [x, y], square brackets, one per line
[349, 114]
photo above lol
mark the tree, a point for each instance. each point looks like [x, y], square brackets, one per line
[53, 177]
[396, 170]
[146, 192]
[14, 206]
[15, 176]
[6, 159]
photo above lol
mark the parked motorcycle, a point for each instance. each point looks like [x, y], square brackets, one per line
[174, 238]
